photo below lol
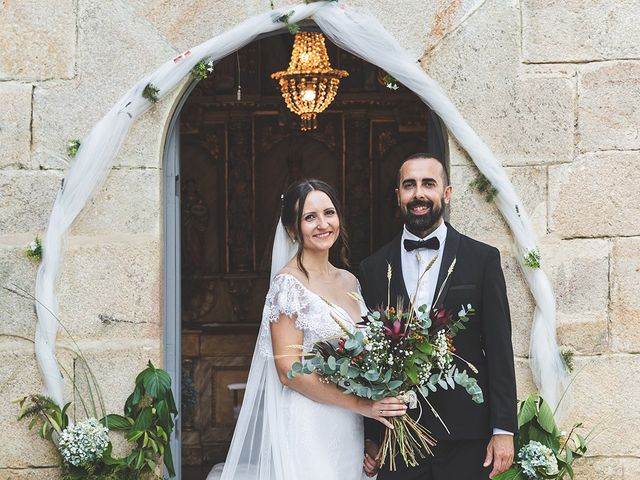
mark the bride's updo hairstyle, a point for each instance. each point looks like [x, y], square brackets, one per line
[292, 209]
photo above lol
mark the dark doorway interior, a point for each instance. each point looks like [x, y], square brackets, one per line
[237, 157]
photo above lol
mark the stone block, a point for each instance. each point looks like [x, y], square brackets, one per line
[607, 468]
[128, 203]
[593, 196]
[524, 119]
[112, 290]
[27, 198]
[70, 110]
[609, 105]
[110, 35]
[43, 473]
[605, 396]
[579, 30]
[625, 304]
[15, 124]
[416, 25]
[17, 315]
[20, 377]
[579, 271]
[470, 212]
[524, 379]
[37, 39]
[521, 304]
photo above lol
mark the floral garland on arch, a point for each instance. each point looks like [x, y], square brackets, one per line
[358, 33]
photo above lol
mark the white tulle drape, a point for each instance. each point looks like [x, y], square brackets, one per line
[358, 33]
[283, 249]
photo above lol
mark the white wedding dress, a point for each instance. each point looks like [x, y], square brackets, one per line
[281, 434]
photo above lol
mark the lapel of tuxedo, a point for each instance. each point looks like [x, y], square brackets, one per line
[397, 279]
[450, 251]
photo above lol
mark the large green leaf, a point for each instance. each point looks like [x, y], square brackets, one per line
[116, 422]
[541, 436]
[156, 382]
[528, 410]
[545, 418]
[412, 374]
[144, 419]
[168, 461]
[514, 473]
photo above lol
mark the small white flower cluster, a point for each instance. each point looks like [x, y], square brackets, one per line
[536, 458]
[209, 64]
[441, 351]
[378, 345]
[84, 442]
[424, 373]
[33, 246]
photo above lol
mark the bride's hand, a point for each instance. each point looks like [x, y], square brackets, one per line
[379, 409]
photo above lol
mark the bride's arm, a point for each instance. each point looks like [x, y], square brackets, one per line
[286, 338]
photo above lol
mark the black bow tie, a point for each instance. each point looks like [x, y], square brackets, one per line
[431, 243]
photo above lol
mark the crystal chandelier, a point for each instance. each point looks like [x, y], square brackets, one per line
[309, 85]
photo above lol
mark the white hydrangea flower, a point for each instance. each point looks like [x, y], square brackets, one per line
[84, 442]
[537, 459]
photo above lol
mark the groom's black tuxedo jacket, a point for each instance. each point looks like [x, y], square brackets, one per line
[477, 280]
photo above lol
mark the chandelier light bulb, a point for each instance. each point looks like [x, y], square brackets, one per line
[309, 95]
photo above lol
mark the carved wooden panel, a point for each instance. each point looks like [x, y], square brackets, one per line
[240, 196]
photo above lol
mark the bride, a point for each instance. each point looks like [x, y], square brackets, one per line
[302, 428]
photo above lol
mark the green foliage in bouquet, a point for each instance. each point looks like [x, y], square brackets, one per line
[151, 93]
[147, 421]
[43, 412]
[542, 451]
[359, 363]
[203, 69]
[292, 27]
[85, 447]
[34, 250]
[484, 186]
[72, 147]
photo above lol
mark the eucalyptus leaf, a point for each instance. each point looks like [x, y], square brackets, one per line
[394, 384]
[371, 375]
[331, 362]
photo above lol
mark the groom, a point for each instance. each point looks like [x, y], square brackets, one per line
[480, 442]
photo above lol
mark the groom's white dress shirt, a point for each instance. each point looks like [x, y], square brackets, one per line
[413, 265]
[415, 262]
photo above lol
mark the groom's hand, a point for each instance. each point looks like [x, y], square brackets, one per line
[500, 452]
[370, 465]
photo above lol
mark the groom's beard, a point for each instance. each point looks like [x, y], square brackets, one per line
[422, 223]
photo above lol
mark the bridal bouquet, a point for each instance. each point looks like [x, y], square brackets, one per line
[396, 353]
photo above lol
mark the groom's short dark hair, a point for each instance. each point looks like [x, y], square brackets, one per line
[419, 155]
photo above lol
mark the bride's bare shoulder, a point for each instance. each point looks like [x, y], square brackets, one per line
[348, 279]
[293, 271]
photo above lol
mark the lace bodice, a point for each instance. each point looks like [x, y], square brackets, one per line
[288, 296]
